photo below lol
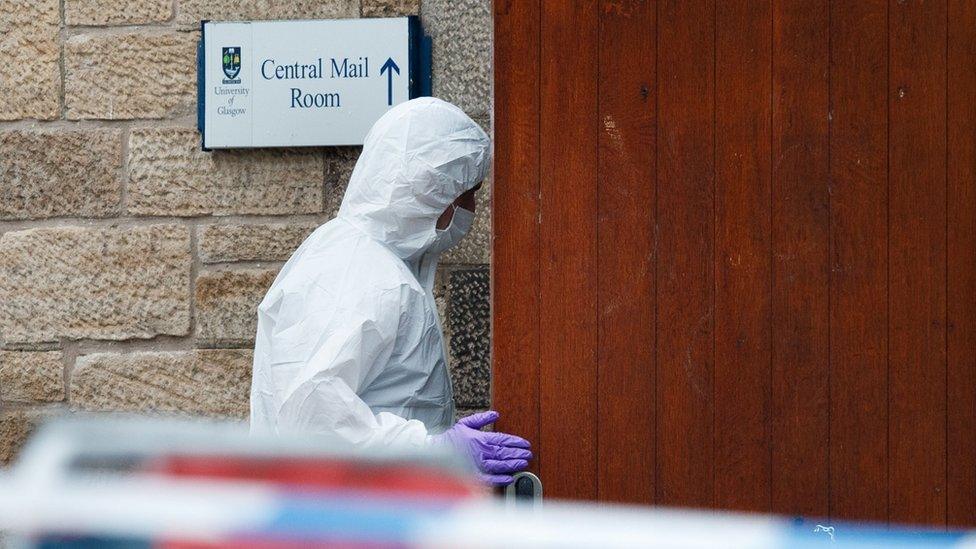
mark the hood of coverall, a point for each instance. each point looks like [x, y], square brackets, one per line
[417, 159]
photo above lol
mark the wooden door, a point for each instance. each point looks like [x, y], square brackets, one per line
[735, 252]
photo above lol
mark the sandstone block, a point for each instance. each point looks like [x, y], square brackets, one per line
[227, 304]
[62, 173]
[27, 376]
[146, 74]
[252, 241]
[113, 12]
[190, 12]
[339, 164]
[469, 321]
[14, 15]
[170, 175]
[15, 427]
[30, 75]
[390, 8]
[461, 32]
[201, 382]
[102, 283]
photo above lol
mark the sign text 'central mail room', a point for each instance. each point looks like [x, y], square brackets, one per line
[306, 83]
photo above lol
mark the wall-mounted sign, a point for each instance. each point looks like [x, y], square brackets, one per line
[305, 83]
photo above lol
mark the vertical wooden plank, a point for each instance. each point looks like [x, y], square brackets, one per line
[858, 272]
[917, 262]
[568, 276]
[626, 251]
[742, 253]
[800, 223]
[685, 271]
[961, 291]
[515, 220]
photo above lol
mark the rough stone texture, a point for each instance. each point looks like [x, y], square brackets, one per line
[469, 318]
[190, 12]
[30, 74]
[252, 241]
[27, 376]
[114, 12]
[339, 162]
[147, 74]
[15, 427]
[101, 283]
[60, 173]
[227, 304]
[475, 248]
[170, 175]
[202, 382]
[390, 8]
[461, 33]
[460, 412]
[441, 276]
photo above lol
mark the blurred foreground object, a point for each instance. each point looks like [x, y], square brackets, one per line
[139, 483]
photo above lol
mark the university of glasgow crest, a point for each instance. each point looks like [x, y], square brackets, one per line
[232, 64]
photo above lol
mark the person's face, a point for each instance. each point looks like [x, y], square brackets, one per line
[468, 201]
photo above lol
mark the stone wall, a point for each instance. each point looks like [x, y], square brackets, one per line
[131, 262]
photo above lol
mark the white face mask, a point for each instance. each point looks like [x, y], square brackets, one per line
[461, 223]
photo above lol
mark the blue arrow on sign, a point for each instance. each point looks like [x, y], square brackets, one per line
[388, 68]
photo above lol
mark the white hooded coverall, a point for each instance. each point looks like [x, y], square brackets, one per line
[349, 345]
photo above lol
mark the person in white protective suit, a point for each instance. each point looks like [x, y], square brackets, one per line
[349, 344]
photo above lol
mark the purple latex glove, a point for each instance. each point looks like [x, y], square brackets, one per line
[497, 455]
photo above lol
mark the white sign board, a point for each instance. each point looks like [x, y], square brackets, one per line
[305, 83]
